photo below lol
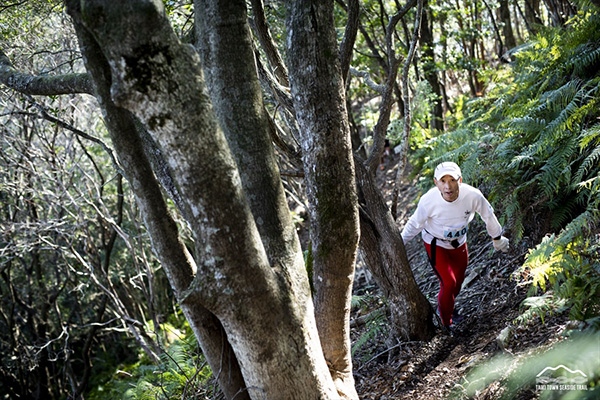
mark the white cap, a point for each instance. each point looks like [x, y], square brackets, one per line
[447, 168]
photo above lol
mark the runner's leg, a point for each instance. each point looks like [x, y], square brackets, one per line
[450, 266]
[447, 282]
[459, 259]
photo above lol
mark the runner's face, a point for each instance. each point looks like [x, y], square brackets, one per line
[448, 186]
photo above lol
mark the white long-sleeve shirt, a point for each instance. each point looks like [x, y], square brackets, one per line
[436, 217]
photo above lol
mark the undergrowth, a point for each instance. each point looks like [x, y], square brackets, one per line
[372, 311]
[182, 373]
[568, 370]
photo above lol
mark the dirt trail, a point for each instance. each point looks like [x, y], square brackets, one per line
[489, 301]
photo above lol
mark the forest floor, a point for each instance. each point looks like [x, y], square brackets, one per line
[490, 300]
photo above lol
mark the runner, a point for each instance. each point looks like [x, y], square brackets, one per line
[442, 217]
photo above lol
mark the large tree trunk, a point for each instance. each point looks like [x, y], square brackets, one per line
[225, 45]
[317, 89]
[269, 324]
[170, 251]
[231, 76]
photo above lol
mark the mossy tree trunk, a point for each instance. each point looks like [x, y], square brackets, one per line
[317, 87]
[249, 267]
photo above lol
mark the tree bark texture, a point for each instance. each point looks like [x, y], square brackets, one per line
[171, 252]
[160, 81]
[317, 89]
[383, 250]
[225, 45]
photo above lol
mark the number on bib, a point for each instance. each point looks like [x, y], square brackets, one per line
[455, 234]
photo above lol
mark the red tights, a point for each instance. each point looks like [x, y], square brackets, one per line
[450, 267]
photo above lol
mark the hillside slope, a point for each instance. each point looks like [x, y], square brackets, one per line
[490, 301]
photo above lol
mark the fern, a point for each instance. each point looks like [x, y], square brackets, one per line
[518, 374]
[564, 210]
[591, 161]
[375, 324]
[181, 373]
[590, 136]
[569, 264]
[539, 306]
[556, 170]
[586, 59]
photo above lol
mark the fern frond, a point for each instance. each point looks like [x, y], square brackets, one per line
[586, 58]
[375, 325]
[556, 170]
[582, 226]
[590, 163]
[556, 100]
[514, 215]
[590, 136]
[528, 124]
[563, 211]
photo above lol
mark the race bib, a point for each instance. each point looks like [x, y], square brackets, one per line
[451, 233]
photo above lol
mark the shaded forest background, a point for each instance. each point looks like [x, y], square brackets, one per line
[509, 90]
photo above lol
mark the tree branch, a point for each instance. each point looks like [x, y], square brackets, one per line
[44, 114]
[261, 29]
[407, 110]
[388, 93]
[349, 36]
[42, 85]
[368, 81]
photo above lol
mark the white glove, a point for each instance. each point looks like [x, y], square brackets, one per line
[501, 244]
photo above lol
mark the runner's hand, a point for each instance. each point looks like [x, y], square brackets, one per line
[501, 244]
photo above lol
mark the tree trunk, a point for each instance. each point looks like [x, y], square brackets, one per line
[172, 253]
[532, 15]
[158, 79]
[430, 71]
[383, 250]
[444, 81]
[467, 47]
[318, 92]
[507, 31]
[267, 43]
[235, 91]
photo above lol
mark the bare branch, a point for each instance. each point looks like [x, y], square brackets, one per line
[44, 114]
[350, 33]
[388, 93]
[16, 4]
[407, 110]
[368, 81]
